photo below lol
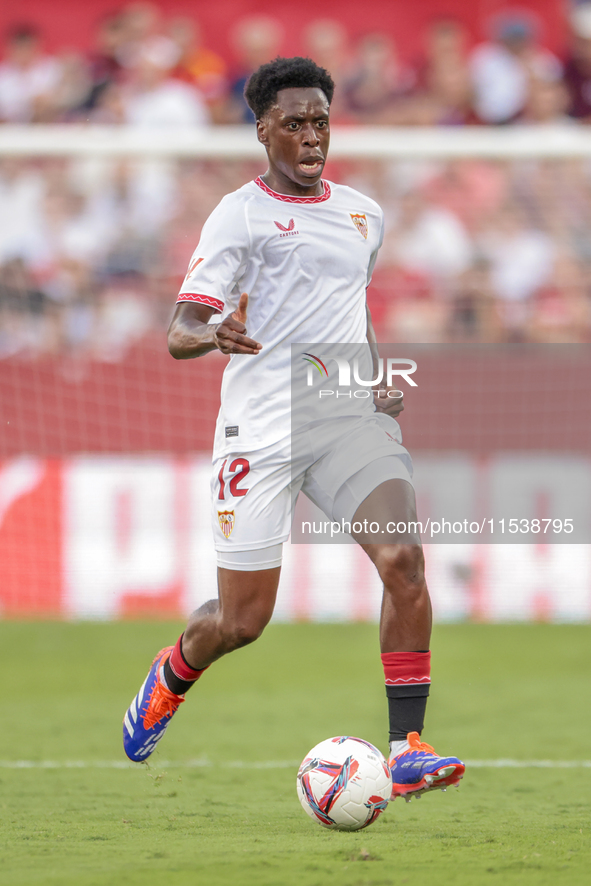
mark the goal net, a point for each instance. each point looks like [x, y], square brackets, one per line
[105, 440]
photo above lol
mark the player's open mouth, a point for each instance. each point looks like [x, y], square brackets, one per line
[311, 166]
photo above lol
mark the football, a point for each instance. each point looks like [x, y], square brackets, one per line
[344, 783]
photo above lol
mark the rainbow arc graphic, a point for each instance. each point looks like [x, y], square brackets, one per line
[317, 362]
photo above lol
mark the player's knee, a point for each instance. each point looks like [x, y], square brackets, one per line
[242, 632]
[401, 566]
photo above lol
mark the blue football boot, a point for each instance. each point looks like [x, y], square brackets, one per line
[149, 714]
[419, 770]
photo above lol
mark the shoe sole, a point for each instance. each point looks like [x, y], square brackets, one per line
[447, 776]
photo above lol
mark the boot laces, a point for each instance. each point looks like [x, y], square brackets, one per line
[162, 703]
[415, 744]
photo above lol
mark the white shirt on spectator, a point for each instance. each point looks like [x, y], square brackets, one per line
[172, 103]
[520, 262]
[21, 210]
[19, 87]
[501, 80]
[437, 244]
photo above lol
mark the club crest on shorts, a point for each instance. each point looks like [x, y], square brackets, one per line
[227, 521]
[360, 223]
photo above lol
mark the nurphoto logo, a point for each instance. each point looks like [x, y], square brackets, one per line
[387, 369]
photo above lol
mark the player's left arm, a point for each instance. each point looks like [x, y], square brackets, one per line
[390, 405]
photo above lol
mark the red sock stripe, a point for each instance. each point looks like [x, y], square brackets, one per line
[405, 668]
[179, 665]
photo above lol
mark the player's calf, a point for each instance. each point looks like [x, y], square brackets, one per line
[244, 609]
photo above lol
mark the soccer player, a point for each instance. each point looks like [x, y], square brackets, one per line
[287, 258]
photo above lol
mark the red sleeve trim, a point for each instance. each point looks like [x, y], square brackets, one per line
[214, 303]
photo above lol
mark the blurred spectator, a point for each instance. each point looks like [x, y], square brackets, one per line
[72, 229]
[24, 310]
[577, 70]
[22, 195]
[450, 96]
[503, 69]
[141, 25]
[18, 291]
[105, 66]
[443, 80]
[91, 250]
[95, 252]
[521, 258]
[123, 317]
[28, 79]
[327, 42]
[561, 311]
[73, 89]
[473, 316]
[378, 82]
[108, 105]
[256, 40]
[152, 97]
[547, 103]
[420, 320]
[471, 189]
[427, 239]
[445, 45]
[200, 66]
[142, 198]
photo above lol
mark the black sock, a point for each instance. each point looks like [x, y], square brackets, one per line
[406, 708]
[174, 683]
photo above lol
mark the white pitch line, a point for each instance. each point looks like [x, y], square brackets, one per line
[265, 764]
[529, 764]
[160, 764]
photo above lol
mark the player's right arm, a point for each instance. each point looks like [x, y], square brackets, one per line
[190, 333]
[215, 275]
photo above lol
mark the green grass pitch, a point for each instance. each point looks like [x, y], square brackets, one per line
[519, 692]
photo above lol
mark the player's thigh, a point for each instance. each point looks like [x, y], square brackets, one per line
[358, 463]
[388, 516]
[389, 535]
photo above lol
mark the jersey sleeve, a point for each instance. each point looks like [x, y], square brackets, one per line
[220, 258]
[374, 254]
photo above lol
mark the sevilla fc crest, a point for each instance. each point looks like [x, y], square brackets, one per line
[226, 519]
[360, 223]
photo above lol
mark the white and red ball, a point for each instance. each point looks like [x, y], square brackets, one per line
[344, 783]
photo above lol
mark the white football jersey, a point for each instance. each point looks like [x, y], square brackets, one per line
[305, 263]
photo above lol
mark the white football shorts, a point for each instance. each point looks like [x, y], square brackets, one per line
[254, 492]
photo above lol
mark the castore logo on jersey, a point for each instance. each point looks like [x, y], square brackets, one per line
[289, 230]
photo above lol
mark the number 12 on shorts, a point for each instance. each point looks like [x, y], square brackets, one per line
[235, 474]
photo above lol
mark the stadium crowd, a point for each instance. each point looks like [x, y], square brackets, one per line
[148, 69]
[91, 250]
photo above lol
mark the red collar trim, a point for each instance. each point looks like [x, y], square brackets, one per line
[286, 198]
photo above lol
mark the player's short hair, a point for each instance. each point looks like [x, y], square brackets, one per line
[284, 73]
